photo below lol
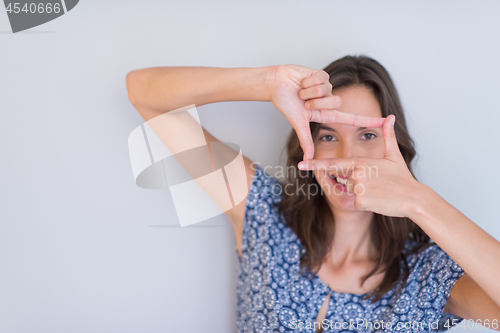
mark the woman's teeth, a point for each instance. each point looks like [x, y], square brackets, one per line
[340, 180]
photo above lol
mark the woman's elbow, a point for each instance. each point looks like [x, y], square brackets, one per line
[134, 84]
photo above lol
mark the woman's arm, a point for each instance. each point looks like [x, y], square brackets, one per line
[161, 89]
[156, 91]
[476, 295]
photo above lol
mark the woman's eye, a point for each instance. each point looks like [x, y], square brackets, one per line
[327, 138]
[372, 136]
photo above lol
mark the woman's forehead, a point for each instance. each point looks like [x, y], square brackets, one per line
[358, 100]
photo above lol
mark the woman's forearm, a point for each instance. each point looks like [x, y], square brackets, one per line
[163, 89]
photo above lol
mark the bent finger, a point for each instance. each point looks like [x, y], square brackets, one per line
[330, 102]
[316, 91]
[319, 77]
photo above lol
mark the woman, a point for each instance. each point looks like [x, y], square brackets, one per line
[344, 244]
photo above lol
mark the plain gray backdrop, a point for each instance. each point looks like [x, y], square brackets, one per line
[83, 249]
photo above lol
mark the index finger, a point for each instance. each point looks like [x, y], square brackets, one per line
[334, 116]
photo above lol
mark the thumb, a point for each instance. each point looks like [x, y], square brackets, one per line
[392, 151]
[304, 134]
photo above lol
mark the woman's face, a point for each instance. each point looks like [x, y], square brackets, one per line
[341, 141]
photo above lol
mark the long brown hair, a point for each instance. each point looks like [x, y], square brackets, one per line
[310, 217]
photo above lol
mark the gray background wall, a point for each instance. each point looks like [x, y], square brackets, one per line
[83, 249]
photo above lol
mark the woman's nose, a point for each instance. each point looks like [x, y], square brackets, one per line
[346, 149]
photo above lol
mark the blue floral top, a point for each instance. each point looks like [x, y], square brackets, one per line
[272, 296]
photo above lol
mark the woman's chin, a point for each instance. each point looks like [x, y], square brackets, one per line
[338, 196]
[343, 201]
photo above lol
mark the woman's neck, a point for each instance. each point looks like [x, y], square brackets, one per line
[352, 240]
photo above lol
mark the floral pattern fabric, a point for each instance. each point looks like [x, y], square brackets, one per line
[272, 296]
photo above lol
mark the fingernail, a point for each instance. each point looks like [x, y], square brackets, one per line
[393, 120]
[302, 165]
[307, 105]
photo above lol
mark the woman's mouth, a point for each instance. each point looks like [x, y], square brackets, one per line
[339, 182]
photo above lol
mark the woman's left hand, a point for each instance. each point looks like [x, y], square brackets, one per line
[384, 186]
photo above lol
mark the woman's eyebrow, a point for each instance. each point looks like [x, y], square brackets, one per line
[327, 128]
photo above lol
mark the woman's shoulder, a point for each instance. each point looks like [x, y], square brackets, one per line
[266, 236]
[264, 188]
[420, 254]
[264, 222]
[432, 276]
[433, 265]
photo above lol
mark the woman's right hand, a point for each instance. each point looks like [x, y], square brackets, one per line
[304, 95]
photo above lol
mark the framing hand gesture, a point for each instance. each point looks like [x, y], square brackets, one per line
[384, 186]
